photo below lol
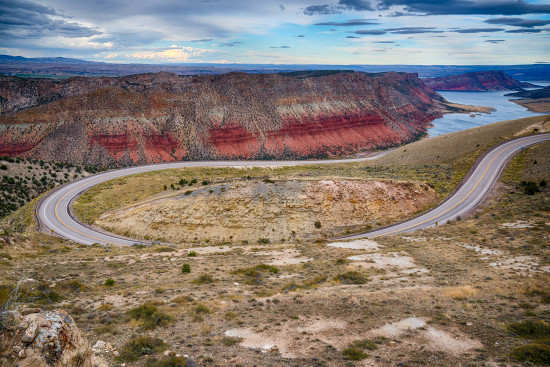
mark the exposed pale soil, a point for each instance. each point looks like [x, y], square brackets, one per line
[251, 210]
[541, 105]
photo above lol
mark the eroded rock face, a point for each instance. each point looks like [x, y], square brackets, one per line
[163, 117]
[480, 81]
[47, 338]
[286, 209]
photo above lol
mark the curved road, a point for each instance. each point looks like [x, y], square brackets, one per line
[54, 215]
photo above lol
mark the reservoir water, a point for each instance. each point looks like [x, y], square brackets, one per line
[505, 110]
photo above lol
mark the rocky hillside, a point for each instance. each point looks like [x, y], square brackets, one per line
[532, 94]
[282, 209]
[534, 100]
[162, 117]
[482, 81]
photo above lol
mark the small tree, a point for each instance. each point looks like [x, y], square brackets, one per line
[185, 268]
[317, 224]
[109, 282]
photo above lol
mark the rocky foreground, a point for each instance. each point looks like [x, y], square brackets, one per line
[37, 338]
[163, 117]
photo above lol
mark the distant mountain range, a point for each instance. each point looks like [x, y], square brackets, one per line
[62, 67]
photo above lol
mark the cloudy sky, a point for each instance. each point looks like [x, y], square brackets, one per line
[279, 31]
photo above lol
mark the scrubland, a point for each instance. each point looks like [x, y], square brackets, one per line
[473, 292]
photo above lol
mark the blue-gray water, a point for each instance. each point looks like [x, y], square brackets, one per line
[505, 110]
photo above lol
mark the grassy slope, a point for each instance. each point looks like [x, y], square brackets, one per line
[463, 145]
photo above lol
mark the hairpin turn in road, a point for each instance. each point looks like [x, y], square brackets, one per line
[54, 214]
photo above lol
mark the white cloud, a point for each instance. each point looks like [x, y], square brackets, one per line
[174, 54]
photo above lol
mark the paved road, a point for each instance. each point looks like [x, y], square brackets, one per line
[54, 209]
[469, 194]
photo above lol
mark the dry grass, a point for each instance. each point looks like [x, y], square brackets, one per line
[463, 145]
[460, 293]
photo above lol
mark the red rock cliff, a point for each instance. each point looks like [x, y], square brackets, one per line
[163, 117]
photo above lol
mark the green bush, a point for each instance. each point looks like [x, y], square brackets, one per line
[317, 224]
[192, 254]
[263, 240]
[255, 274]
[186, 268]
[172, 361]
[534, 353]
[229, 341]
[203, 279]
[530, 188]
[366, 344]
[141, 346]
[73, 286]
[109, 282]
[164, 249]
[201, 309]
[351, 277]
[530, 329]
[354, 354]
[44, 294]
[150, 316]
[5, 291]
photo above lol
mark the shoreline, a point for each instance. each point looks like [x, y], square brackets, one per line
[541, 105]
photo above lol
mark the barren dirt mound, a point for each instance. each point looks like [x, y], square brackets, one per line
[288, 210]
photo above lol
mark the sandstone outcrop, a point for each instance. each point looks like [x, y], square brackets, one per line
[251, 210]
[164, 117]
[480, 81]
[44, 339]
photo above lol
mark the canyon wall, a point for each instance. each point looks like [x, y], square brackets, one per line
[150, 118]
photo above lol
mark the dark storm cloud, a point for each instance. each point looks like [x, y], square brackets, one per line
[326, 9]
[173, 18]
[350, 23]
[352, 37]
[358, 5]
[528, 30]
[322, 10]
[413, 30]
[300, 36]
[494, 41]
[25, 19]
[519, 22]
[456, 7]
[376, 32]
[479, 30]
[230, 44]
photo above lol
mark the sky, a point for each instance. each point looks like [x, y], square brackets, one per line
[335, 32]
